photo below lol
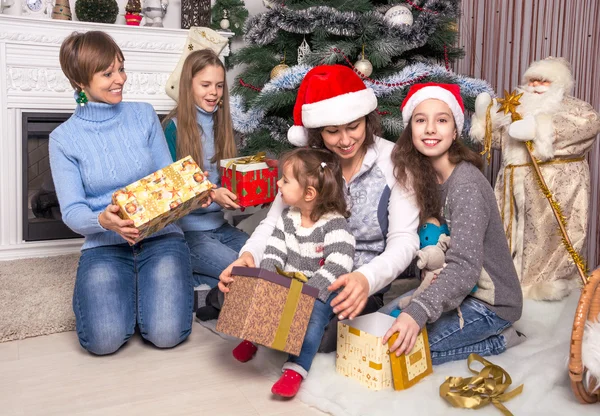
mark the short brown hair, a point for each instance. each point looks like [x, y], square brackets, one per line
[308, 170]
[372, 129]
[83, 54]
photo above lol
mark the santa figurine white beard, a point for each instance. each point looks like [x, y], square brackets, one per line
[538, 105]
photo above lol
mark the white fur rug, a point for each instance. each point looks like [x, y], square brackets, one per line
[540, 363]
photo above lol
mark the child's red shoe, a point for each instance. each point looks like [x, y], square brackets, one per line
[288, 384]
[244, 351]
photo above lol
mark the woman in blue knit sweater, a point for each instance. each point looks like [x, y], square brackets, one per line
[105, 145]
[201, 126]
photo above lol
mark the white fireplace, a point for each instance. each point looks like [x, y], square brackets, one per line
[31, 81]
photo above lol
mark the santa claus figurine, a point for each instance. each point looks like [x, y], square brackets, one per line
[562, 130]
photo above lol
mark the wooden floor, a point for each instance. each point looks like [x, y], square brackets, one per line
[53, 375]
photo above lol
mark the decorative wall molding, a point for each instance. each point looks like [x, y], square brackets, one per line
[26, 79]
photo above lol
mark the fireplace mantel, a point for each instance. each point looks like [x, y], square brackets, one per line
[31, 80]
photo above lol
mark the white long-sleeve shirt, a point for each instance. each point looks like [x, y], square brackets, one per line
[384, 220]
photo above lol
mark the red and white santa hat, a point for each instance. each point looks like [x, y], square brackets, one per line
[329, 95]
[448, 93]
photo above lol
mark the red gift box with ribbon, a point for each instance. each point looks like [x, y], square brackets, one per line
[250, 178]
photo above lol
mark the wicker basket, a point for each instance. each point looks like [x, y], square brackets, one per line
[588, 308]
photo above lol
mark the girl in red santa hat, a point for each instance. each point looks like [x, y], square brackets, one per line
[445, 176]
[335, 111]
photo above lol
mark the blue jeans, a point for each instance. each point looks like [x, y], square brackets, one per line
[118, 286]
[480, 333]
[212, 251]
[319, 318]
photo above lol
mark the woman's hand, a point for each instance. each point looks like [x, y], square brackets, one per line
[407, 329]
[225, 198]
[225, 279]
[109, 220]
[353, 298]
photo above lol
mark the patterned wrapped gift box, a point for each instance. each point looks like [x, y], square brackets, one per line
[163, 196]
[267, 308]
[250, 178]
[361, 355]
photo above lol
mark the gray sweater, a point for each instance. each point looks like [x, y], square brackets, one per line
[478, 253]
[322, 252]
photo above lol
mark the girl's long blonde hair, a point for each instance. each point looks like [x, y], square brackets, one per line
[188, 131]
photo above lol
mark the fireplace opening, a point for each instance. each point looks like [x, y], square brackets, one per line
[42, 219]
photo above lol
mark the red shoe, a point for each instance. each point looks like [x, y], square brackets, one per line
[244, 351]
[288, 384]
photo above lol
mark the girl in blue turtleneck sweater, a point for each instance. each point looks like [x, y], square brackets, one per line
[200, 126]
[106, 145]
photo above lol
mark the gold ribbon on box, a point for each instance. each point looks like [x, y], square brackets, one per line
[289, 310]
[246, 160]
[487, 386]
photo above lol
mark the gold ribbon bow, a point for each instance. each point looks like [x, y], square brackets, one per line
[246, 160]
[487, 386]
[292, 275]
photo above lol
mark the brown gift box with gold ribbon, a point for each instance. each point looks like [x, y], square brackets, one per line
[163, 197]
[362, 356]
[267, 308]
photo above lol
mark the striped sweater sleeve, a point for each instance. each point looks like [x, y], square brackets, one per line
[276, 252]
[338, 255]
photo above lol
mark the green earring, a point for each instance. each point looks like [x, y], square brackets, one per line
[82, 98]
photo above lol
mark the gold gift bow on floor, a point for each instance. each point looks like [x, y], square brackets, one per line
[487, 386]
[289, 309]
[509, 104]
[246, 160]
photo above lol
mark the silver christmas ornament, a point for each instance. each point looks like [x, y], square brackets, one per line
[399, 16]
[364, 66]
[303, 52]
[224, 23]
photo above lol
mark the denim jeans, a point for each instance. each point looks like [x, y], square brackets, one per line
[119, 286]
[480, 333]
[319, 318]
[212, 251]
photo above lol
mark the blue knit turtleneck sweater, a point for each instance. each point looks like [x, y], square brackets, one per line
[99, 149]
[211, 217]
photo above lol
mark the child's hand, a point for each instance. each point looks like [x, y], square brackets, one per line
[245, 260]
[407, 329]
[225, 198]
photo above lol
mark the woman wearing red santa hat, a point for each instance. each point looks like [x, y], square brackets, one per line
[335, 110]
[445, 175]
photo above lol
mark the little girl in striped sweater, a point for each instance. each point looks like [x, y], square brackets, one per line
[311, 236]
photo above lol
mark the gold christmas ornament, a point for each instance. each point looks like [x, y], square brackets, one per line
[278, 69]
[363, 65]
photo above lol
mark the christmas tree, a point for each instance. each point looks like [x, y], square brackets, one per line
[233, 11]
[133, 6]
[392, 44]
[133, 15]
[61, 10]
